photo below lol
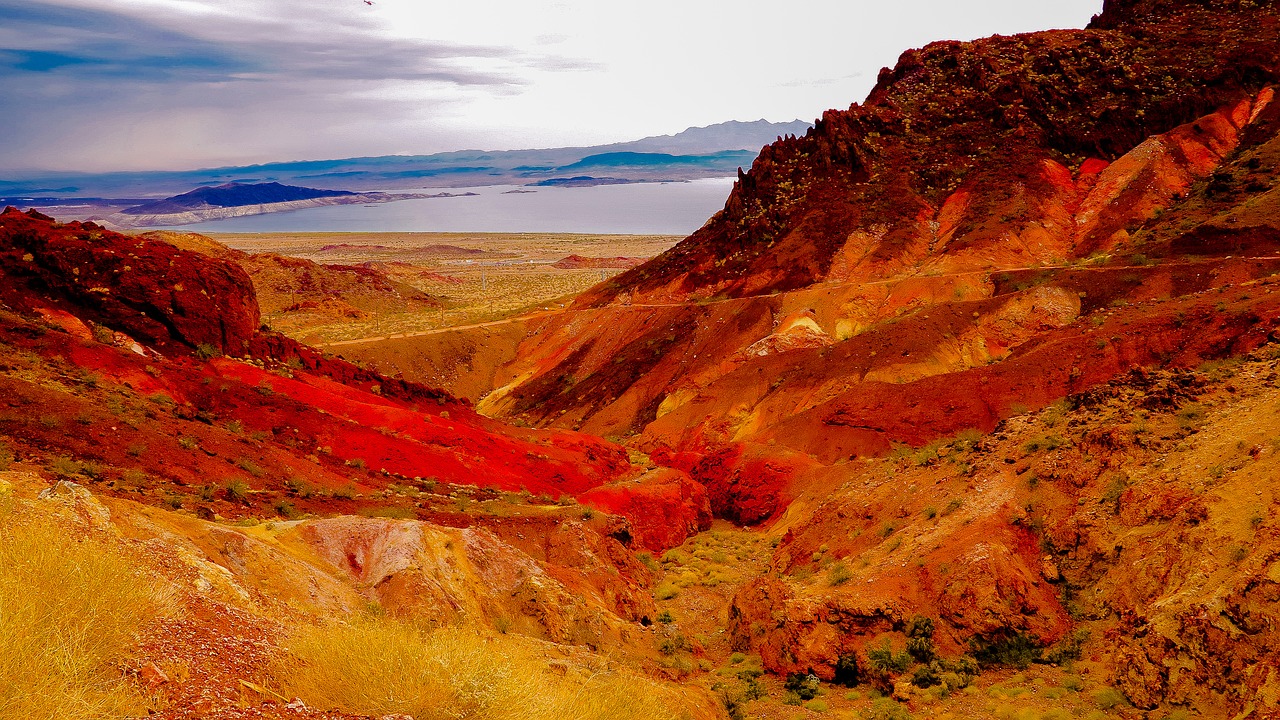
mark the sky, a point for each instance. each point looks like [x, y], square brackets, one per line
[100, 85]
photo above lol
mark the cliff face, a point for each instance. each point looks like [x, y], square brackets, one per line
[957, 132]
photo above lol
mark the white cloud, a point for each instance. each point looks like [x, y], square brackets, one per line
[134, 84]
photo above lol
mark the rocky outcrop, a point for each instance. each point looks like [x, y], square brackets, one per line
[149, 290]
[444, 576]
[662, 508]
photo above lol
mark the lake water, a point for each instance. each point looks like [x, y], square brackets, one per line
[638, 208]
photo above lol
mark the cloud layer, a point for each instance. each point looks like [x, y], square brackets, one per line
[148, 84]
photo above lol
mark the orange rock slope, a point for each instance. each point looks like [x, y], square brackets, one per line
[1002, 225]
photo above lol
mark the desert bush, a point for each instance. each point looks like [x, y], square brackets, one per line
[925, 676]
[804, 685]
[1107, 698]
[134, 478]
[885, 709]
[392, 512]
[70, 605]
[236, 491]
[884, 661]
[299, 487]
[839, 574]
[65, 467]
[250, 467]
[380, 667]
[1018, 650]
[672, 642]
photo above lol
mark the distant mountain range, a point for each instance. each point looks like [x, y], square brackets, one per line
[712, 151]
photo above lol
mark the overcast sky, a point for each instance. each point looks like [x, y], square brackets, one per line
[171, 84]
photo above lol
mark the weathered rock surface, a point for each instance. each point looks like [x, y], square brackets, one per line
[150, 290]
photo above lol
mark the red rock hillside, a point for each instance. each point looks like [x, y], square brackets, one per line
[1004, 231]
[238, 421]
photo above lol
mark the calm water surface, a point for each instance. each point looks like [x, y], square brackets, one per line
[640, 208]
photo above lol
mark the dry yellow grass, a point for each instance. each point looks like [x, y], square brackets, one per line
[382, 666]
[70, 606]
[514, 274]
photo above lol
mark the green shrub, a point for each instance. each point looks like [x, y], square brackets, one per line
[1068, 649]
[64, 467]
[666, 591]
[924, 676]
[1017, 650]
[236, 491]
[884, 661]
[299, 487]
[839, 574]
[886, 709]
[1107, 698]
[250, 467]
[672, 642]
[804, 685]
[134, 478]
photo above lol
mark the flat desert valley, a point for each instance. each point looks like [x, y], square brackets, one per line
[477, 277]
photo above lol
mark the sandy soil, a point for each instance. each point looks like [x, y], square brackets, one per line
[481, 276]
